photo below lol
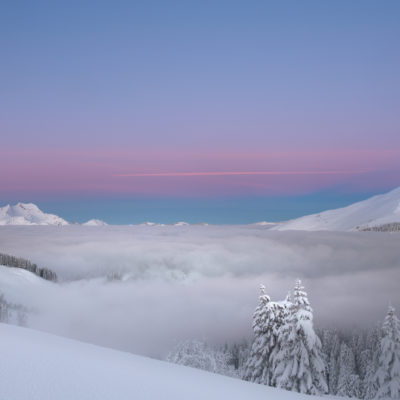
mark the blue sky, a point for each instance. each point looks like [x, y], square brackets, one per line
[94, 93]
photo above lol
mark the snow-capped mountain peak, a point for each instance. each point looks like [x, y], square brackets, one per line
[373, 212]
[28, 214]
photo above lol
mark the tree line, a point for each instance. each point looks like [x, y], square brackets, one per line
[288, 353]
[18, 262]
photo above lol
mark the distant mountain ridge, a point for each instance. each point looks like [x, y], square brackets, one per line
[377, 211]
[28, 214]
[95, 222]
[31, 214]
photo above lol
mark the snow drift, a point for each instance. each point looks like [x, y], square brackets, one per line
[45, 367]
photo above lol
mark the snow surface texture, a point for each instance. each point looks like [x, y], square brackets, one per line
[143, 289]
[377, 210]
[27, 214]
[45, 367]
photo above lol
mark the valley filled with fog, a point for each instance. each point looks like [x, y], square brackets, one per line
[145, 288]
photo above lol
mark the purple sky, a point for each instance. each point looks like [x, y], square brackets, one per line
[199, 98]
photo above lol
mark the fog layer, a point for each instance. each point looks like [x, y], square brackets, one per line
[182, 282]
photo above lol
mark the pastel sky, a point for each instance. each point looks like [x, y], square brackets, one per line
[207, 99]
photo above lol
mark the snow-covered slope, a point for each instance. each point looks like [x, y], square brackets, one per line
[17, 285]
[95, 222]
[45, 367]
[27, 214]
[377, 210]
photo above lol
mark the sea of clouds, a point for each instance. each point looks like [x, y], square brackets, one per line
[178, 282]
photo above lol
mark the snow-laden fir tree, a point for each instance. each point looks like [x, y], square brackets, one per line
[257, 364]
[349, 384]
[267, 319]
[238, 355]
[357, 344]
[373, 345]
[299, 364]
[333, 365]
[388, 374]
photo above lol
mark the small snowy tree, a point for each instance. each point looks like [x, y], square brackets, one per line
[192, 353]
[388, 373]
[196, 354]
[299, 365]
[22, 317]
[4, 312]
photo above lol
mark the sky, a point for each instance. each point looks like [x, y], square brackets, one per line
[185, 103]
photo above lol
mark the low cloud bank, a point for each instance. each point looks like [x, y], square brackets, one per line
[197, 281]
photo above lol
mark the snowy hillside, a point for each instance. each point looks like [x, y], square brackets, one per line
[18, 284]
[28, 214]
[376, 211]
[45, 367]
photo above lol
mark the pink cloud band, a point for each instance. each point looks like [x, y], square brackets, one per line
[235, 173]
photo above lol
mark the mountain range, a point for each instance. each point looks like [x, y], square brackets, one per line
[31, 214]
[381, 212]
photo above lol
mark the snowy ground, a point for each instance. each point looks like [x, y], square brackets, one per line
[39, 366]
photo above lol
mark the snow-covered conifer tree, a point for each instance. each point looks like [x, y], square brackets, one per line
[267, 320]
[333, 365]
[299, 364]
[388, 374]
[349, 384]
[257, 366]
[373, 345]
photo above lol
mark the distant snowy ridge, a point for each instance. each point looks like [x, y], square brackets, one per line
[28, 214]
[266, 223]
[95, 222]
[375, 211]
[181, 223]
[53, 367]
